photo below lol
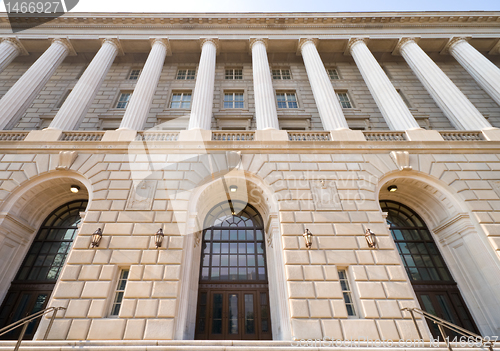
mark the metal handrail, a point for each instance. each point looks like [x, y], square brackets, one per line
[26, 320]
[444, 323]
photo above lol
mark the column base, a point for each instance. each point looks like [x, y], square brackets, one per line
[44, 135]
[195, 135]
[491, 134]
[347, 135]
[423, 135]
[271, 135]
[119, 135]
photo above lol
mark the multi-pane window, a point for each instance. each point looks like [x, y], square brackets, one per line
[134, 74]
[63, 99]
[346, 291]
[120, 290]
[281, 74]
[233, 100]
[234, 73]
[344, 100]
[123, 99]
[181, 100]
[286, 100]
[333, 73]
[185, 74]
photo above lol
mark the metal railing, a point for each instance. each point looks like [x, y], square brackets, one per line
[26, 320]
[443, 323]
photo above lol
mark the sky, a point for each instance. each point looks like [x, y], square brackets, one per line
[281, 5]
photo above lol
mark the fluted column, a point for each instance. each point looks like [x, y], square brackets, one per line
[391, 105]
[17, 100]
[265, 106]
[484, 72]
[138, 108]
[454, 104]
[203, 96]
[75, 107]
[10, 48]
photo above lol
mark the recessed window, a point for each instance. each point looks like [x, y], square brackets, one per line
[185, 74]
[233, 100]
[123, 99]
[333, 73]
[134, 74]
[281, 74]
[286, 100]
[344, 100]
[181, 100]
[234, 73]
[63, 99]
[403, 97]
[120, 290]
[346, 291]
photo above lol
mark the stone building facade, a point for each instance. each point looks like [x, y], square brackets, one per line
[242, 131]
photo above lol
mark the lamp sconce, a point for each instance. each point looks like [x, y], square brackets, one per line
[371, 238]
[96, 238]
[159, 238]
[308, 238]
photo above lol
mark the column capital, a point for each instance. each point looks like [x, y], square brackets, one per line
[264, 41]
[402, 42]
[66, 43]
[495, 50]
[115, 42]
[303, 41]
[163, 41]
[17, 44]
[352, 42]
[452, 42]
[214, 41]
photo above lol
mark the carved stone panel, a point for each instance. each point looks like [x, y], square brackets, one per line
[141, 196]
[325, 195]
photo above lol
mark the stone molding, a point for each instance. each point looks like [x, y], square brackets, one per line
[15, 42]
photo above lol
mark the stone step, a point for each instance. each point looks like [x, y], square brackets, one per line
[214, 345]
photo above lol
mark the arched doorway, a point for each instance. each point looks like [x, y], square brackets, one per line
[33, 284]
[233, 294]
[434, 286]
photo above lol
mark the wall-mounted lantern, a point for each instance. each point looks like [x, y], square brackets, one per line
[159, 238]
[308, 237]
[371, 238]
[96, 238]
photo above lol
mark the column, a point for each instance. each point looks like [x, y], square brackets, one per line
[10, 48]
[17, 100]
[454, 104]
[138, 108]
[265, 105]
[484, 72]
[391, 105]
[203, 96]
[75, 107]
[326, 100]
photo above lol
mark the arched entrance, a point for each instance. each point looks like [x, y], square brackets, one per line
[33, 284]
[434, 286]
[233, 294]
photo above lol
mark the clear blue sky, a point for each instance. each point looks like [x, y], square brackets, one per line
[282, 6]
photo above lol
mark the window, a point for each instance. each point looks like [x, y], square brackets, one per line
[123, 99]
[181, 100]
[120, 290]
[287, 100]
[63, 99]
[233, 100]
[134, 74]
[185, 74]
[234, 73]
[344, 100]
[281, 74]
[333, 73]
[346, 291]
[403, 97]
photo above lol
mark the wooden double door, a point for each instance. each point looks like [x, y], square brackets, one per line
[233, 312]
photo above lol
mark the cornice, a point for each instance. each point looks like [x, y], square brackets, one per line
[251, 20]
